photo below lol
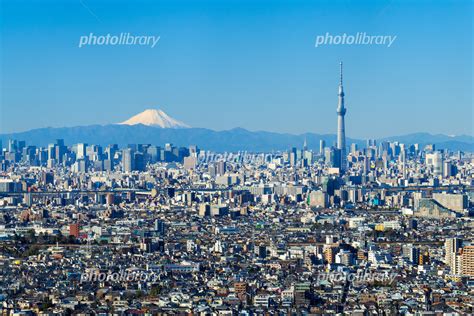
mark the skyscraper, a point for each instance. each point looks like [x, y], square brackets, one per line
[467, 261]
[451, 258]
[434, 161]
[322, 144]
[160, 226]
[341, 130]
[127, 160]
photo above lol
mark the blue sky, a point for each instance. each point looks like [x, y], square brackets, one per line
[251, 64]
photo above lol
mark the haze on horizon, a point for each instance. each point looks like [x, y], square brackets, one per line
[249, 64]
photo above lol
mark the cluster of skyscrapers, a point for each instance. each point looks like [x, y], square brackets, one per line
[82, 157]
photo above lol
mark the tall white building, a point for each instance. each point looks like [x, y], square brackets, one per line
[341, 129]
[451, 257]
[434, 161]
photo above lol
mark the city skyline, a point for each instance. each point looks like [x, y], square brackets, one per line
[209, 72]
[161, 229]
[236, 157]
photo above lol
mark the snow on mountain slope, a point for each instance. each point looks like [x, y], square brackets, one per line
[157, 118]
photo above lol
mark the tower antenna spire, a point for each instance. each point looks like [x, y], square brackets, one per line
[341, 129]
[340, 65]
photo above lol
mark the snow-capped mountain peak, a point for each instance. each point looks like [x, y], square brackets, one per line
[156, 118]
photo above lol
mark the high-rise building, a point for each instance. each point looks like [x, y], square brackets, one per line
[334, 159]
[434, 161]
[240, 287]
[139, 161]
[110, 152]
[318, 198]
[81, 151]
[160, 226]
[341, 130]
[262, 252]
[204, 210]
[60, 149]
[467, 261]
[452, 247]
[322, 144]
[221, 168]
[411, 253]
[354, 148]
[12, 145]
[293, 157]
[127, 160]
[74, 230]
[153, 154]
[449, 169]
[190, 162]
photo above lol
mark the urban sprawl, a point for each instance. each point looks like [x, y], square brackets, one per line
[151, 230]
[386, 229]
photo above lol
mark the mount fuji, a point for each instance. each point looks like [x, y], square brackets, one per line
[155, 118]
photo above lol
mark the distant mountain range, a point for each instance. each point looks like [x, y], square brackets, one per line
[156, 127]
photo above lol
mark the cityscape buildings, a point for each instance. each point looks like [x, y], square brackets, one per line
[160, 229]
[187, 160]
[381, 229]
